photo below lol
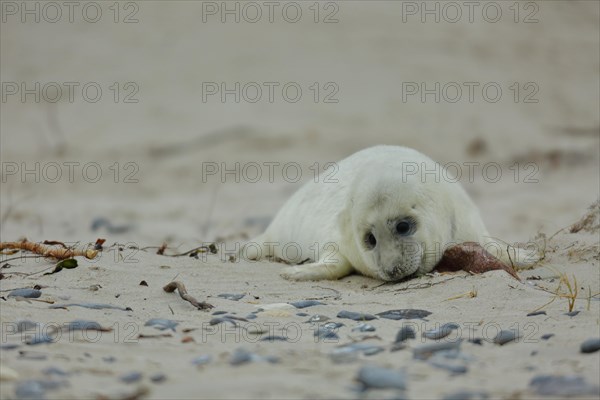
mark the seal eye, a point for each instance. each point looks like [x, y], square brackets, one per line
[370, 241]
[404, 227]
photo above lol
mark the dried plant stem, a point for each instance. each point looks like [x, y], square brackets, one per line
[171, 286]
[49, 251]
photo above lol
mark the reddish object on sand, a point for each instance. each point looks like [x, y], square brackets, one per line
[471, 257]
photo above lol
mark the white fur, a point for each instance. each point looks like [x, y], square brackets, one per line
[326, 222]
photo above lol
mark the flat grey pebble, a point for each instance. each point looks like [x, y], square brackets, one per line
[356, 316]
[306, 303]
[324, 333]
[219, 320]
[552, 385]
[131, 377]
[241, 356]
[441, 332]
[202, 360]
[27, 293]
[302, 314]
[590, 345]
[159, 377]
[109, 359]
[8, 346]
[219, 312]
[318, 318]
[546, 336]
[54, 371]
[230, 296]
[477, 341]
[466, 395]
[405, 333]
[424, 351]
[533, 314]
[36, 389]
[505, 336]
[572, 313]
[251, 316]
[372, 377]
[274, 338]
[40, 338]
[162, 324]
[362, 327]
[408, 313]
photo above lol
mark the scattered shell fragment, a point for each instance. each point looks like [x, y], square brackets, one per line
[441, 332]
[362, 327]
[162, 324]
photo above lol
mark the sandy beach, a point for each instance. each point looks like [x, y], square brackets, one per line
[178, 124]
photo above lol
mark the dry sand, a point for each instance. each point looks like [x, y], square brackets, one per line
[170, 134]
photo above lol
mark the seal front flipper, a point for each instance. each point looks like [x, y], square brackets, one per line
[318, 271]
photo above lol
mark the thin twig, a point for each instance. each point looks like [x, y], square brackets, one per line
[171, 286]
[48, 251]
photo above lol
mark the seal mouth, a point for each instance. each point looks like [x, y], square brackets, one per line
[398, 274]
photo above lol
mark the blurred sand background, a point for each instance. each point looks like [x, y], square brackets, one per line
[170, 134]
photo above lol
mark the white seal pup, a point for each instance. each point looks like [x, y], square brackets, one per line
[387, 212]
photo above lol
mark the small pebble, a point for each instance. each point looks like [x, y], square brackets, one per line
[26, 293]
[275, 306]
[356, 316]
[591, 345]
[159, 377]
[324, 333]
[467, 395]
[562, 386]
[404, 314]
[8, 346]
[241, 356]
[452, 368]
[40, 338]
[362, 327]
[54, 371]
[405, 333]
[424, 351]
[251, 316]
[219, 320]
[546, 336]
[302, 314]
[202, 360]
[131, 377]
[441, 332]
[161, 324]
[219, 312]
[372, 377]
[306, 303]
[477, 341]
[274, 338]
[318, 318]
[572, 313]
[109, 359]
[229, 296]
[533, 314]
[505, 336]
